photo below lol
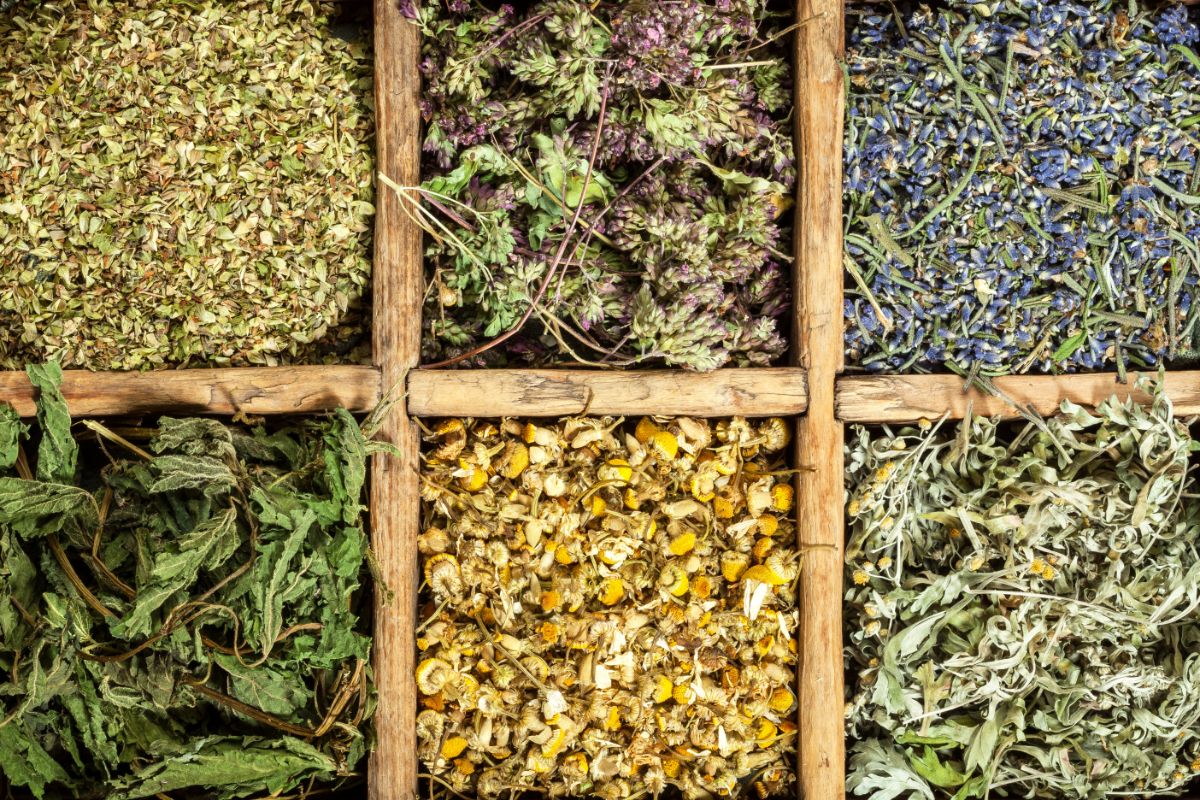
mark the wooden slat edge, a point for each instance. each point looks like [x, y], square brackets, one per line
[396, 330]
[250, 390]
[777, 391]
[908, 398]
[819, 489]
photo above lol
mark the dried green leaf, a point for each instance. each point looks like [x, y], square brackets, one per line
[230, 768]
[57, 451]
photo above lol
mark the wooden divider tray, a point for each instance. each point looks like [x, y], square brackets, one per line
[812, 390]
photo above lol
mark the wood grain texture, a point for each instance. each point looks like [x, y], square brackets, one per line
[908, 398]
[251, 390]
[551, 393]
[818, 342]
[396, 328]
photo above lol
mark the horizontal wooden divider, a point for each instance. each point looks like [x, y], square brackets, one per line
[773, 391]
[908, 398]
[250, 390]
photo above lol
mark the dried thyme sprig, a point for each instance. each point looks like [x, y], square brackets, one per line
[182, 182]
[1022, 185]
[680, 249]
[1023, 608]
[181, 607]
[608, 611]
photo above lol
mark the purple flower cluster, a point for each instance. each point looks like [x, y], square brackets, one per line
[680, 253]
[1022, 186]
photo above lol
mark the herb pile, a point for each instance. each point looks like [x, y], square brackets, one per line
[182, 182]
[1022, 186]
[608, 612]
[1024, 608]
[181, 621]
[609, 182]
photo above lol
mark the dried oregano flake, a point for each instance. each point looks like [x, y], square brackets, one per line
[182, 182]
[1023, 607]
[607, 609]
[181, 607]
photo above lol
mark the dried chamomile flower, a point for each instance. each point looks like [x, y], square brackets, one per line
[609, 607]
[1023, 607]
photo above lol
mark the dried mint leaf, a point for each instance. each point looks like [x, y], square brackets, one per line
[182, 609]
[12, 430]
[242, 766]
[57, 451]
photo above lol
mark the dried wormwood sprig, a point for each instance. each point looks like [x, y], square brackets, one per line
[1023, 608]
[680, 254]
[608, 611]
[182, 182]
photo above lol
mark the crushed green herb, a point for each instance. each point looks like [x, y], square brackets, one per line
[607, 182]
[1023, 607]
[182, 183]
[182, 609]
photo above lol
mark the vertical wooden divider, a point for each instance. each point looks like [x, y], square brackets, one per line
[817, 282]
[395, 499]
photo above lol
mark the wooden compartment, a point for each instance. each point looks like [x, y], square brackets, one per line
[397, 289]
[811, 386]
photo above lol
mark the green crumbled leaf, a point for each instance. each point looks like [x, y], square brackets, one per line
[33, 508]
[24, 762]
[18, 588]
[1070, 345]
[230, 768]
[12, 430]
[346, 464]
[178, 566]
[983, 744]
[57, 451]
[172, 473]
[277, 580]
[931, 768]
[273, 688]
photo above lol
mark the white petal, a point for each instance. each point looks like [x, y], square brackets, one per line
[755, 595]
[554, 705]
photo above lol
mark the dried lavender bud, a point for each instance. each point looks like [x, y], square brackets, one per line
[679, 255]
[1022, 186]
[1023, 608]
[182, 182]
[608, 609]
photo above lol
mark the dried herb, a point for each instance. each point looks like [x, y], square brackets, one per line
[608, 182]
[1023, 607]
[1022, 186]
[182, 182]
[607, 612]
[180, 607]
